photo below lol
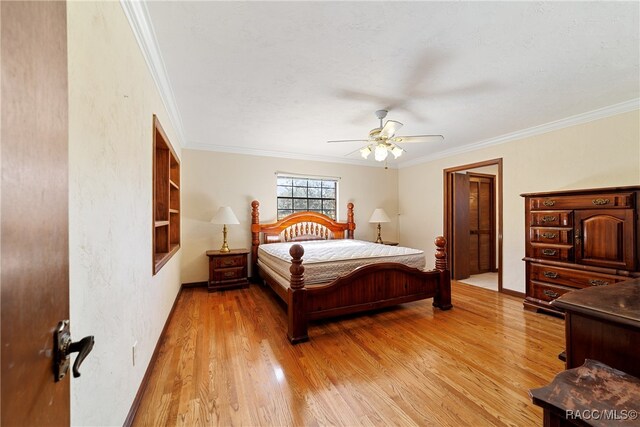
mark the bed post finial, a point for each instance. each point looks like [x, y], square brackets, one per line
[441, 254]
[297, 269]
[350, 221]
[443, 299]
[255, 237]
[296, 306]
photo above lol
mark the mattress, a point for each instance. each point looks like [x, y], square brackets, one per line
[326, 260]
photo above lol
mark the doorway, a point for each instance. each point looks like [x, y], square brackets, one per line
[473, 222]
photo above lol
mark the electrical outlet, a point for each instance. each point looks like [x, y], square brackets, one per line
[133, 353]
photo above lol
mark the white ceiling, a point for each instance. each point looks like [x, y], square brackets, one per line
[282, 78]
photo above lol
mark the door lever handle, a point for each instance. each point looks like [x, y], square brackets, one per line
[63, 347]
[83, 348]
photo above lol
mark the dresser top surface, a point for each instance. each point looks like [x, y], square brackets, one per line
[619, 302]
[583, 191]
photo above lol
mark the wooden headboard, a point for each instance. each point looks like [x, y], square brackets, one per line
[298, 226]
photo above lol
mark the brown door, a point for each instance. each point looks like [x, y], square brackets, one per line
[604, 237]
[34, 243]
[460, 229]
[481, 224]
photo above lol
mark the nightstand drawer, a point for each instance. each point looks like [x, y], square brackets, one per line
[228, 274]
[229, 261]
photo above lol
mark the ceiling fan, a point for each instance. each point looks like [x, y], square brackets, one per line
[383, 140]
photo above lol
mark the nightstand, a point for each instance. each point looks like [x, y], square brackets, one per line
[227, 270]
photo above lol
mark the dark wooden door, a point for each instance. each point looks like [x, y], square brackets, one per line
[481, 223]
[34, 211]
[460, 228]
[604, 237]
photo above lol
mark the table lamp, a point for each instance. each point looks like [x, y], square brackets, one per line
[379, 216]
[225, 216]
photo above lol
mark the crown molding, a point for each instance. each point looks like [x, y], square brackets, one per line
[285, 155]
[601, 113]
[138, 16]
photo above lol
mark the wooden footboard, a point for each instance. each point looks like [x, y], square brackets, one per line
[366, 288]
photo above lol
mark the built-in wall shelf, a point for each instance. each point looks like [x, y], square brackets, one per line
[166, 198]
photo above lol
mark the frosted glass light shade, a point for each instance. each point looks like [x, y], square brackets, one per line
[379, 215]
[396, 151]
[225, 216]
[381, 153]
[364, 152]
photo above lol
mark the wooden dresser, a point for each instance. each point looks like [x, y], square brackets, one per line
[578, 239]
[603, 324]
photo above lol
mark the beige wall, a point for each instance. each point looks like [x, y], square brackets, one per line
[601, 153]
[113, 294]
[211, 180]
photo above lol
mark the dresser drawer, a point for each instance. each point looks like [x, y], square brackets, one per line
[573, 278]
[229, 261]
[605, 200]
[547, 291]
[228, 274]
[552, 218]
[551, 235]
[552, 252]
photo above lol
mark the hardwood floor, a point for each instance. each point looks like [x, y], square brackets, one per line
[226, 361]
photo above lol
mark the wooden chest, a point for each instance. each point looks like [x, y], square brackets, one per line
[577, 239]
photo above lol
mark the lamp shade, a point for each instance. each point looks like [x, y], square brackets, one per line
[225, 216]
[379, 215]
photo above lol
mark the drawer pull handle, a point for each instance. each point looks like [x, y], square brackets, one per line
[550, 274]
[548, 218]
[549, 202]
[596, 282]
[549, 252]
[551, 293]
[227, 262]
[549, 235]
[230, 274]
[600, 202]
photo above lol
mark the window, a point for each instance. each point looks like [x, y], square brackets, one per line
[166, 198]
[298, 194]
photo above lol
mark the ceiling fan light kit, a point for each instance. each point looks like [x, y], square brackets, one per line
[382, 140]
[380, 153]
[365, 151]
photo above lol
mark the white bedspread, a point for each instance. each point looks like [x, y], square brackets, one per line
[326, 260]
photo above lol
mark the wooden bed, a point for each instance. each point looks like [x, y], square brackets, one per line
[365, 288]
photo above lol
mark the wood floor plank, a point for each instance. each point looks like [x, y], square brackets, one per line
[225, 360]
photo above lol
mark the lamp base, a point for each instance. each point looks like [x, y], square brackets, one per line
[225, 247]
[379, 239]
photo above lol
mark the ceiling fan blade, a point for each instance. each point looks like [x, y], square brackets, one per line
[390, 128]
[417, 138]
[348, 140]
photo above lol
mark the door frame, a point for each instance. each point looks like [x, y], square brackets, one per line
[448, 206]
